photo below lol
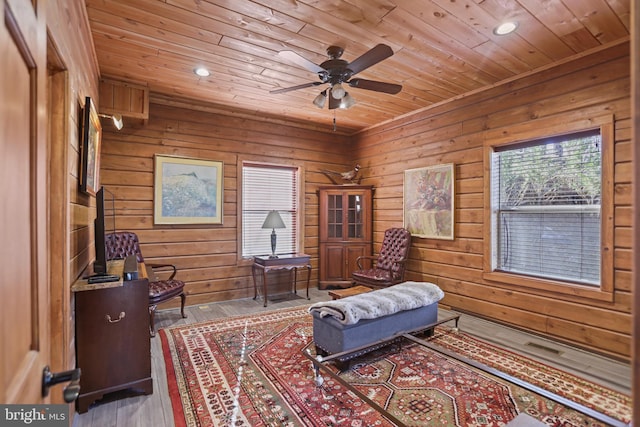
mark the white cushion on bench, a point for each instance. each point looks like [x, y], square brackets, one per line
[381, 302]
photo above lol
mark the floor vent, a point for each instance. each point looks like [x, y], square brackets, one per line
[543, 348]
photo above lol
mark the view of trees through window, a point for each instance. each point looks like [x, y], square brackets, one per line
[548, 194]
[555, 173]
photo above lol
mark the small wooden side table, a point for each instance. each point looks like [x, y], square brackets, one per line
[343, 293]
[290, 262]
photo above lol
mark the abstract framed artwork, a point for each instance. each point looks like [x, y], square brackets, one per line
[429, 201]
[90, 149]
[187, 191]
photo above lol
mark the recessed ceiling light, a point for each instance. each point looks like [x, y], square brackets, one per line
[505, 28]
[202, 72]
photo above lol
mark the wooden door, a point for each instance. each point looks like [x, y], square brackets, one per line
[23, 213]
[354, 251]
[635, 102]
[332, 257]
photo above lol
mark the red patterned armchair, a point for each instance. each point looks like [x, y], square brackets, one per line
[389, 265]
[124, 243]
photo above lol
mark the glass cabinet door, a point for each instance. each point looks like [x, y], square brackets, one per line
[354, 216]
[334, 215]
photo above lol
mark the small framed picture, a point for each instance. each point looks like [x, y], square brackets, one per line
[90, 148]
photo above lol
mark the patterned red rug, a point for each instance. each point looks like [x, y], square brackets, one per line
[250, 371]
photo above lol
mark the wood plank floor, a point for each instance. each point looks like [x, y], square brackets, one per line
[155, 410]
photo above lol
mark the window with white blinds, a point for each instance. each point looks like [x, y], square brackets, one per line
[547, 197]
[266, 188]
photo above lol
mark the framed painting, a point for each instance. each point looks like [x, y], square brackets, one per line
[429, 201]
[90, 148]
[187, 191]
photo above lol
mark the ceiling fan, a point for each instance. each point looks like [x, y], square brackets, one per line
[336, 72]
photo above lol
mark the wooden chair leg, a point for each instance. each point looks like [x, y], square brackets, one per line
[183, 298]
[152, 315]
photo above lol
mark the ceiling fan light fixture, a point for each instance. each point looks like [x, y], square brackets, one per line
[347, 101]
[337, 73]
[505, 28]
[337, 91]
[320, 100]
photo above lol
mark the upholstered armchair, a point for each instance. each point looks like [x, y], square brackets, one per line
[388, 267]
[122, 244]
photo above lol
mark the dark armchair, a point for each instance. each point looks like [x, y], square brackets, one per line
[123, 244]
[389, 265]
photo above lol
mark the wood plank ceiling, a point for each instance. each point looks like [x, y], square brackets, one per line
[442, 49]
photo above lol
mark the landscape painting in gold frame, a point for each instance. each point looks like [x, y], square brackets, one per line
[429, 201]
[187, 191]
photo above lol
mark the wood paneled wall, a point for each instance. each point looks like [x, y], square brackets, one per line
[207, 255]
[73, 75]
[449, 132]
[635, 262]
[454, 132]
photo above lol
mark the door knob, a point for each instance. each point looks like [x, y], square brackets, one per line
[71, 391]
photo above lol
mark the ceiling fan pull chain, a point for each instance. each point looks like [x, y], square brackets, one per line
[334, 120]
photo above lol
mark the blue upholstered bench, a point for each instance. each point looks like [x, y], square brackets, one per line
[367, 321]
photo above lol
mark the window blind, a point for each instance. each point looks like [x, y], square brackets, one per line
[546, 196]
[266, 188]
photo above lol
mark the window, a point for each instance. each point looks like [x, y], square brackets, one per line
[549, 206]
[547, 196]
[265, 188]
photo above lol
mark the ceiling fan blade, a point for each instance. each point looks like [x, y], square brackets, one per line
[289, 89]
[372, 57]
[376, 86]
[301, 61]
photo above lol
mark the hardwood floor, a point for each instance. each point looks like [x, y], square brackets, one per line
[156, 409]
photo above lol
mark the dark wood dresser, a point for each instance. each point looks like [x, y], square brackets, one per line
[113, 347]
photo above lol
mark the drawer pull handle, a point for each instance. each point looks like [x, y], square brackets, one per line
[120, 317]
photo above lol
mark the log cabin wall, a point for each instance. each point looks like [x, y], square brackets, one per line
[592, 83]
[454, 132]
[207, 255]
[73, 75]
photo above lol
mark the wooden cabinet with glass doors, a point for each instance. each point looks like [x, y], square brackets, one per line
[345, 222]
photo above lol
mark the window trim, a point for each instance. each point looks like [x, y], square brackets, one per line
[546, 128]
[242, 161]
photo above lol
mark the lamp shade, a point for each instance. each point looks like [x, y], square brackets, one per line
[117, 121]
[273, 220]
[320, 99]
[337, 91]
[115, 118]
[347, 101]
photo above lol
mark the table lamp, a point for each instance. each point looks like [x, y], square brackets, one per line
[273, 221]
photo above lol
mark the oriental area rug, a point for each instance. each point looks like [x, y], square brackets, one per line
[251, 371]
